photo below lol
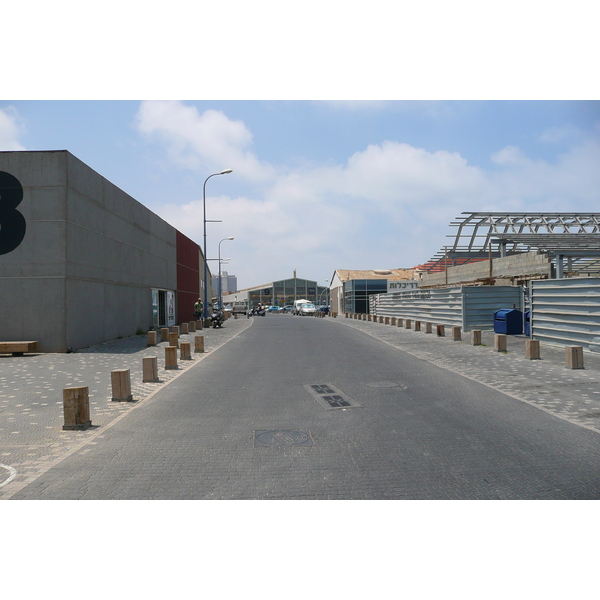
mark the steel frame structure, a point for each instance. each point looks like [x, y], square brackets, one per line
[574, 236]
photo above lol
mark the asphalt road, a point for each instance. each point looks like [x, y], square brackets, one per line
[246, 423]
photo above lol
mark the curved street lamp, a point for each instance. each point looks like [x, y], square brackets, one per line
[220, 283]
[205, 309]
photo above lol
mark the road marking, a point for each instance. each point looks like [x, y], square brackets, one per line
[12, 474]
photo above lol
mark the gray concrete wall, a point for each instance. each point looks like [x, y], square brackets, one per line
[90, 256]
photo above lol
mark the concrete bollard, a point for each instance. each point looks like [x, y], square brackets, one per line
[184, 351]
[500, 341]
[532, 349]
[574, 357]
[171, 357]
[151, 338]
[121, 385]
[150, 369]
[417, 325]
[199, 344]
[406, 323]
[175, 329]
[364, 317]
[393, 322]
[184, 328]
[369, 317]
[380, 319]
[387, 320]
[174, 339]
[456, 334]
[399, 322]
[440, 330]
[346, 315]
[428, 327]
[164, 334]
[199, 325]
[76, 408]
[476, 337]
[192, 326]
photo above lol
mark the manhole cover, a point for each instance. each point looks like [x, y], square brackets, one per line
[385, 384]
[279, 437]
[329, 396]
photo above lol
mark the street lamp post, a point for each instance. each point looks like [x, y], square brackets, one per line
[205, 309]
[220, 281]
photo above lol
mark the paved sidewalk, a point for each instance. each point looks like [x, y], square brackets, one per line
[31, 403]
[573, 395]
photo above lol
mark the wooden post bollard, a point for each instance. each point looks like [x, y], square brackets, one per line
[151, 338]
[76, 406]
[184, 352]
[476, 337]
[532, 349]
[192, 326]
[387, 320]
[174, 339]
[164, 334]
[369, 317]
[199, 343]
[440, 330]
[121, 385]
[406, 323]
[574, 357]
[456, 334]
[184, 328]
[150, 369]
[399, 322]
[171, 357]
[428, 327]
[393, 322]
[500, 341]
[417, 325]
[346, 315]
[199, 324]
[175, 329]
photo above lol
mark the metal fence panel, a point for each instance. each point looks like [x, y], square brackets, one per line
[471, 307]
[566, 312]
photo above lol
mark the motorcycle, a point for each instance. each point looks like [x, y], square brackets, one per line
[257, 312]
[217, 318]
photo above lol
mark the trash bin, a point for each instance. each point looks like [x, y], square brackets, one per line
[508, 321]
[527, 326]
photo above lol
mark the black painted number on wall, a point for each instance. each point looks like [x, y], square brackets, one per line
[12, 222]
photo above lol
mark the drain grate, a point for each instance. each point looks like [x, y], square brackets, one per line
[329, 396]
[279, 437]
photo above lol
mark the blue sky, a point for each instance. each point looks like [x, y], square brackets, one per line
[320, 185]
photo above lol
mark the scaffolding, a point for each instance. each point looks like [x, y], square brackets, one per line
[574, 237]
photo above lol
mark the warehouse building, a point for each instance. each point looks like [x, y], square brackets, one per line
[81, 261]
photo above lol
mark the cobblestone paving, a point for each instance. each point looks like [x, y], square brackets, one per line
[573, 395]
[31, 404]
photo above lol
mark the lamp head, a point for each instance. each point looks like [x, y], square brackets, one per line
[226, 171]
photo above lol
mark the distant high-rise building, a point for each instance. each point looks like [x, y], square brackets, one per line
[228, 282]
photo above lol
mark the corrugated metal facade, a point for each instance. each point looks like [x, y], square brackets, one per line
[566, 312]
[470, 307]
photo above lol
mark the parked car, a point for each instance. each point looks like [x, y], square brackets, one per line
[273, 309]
[287, 308]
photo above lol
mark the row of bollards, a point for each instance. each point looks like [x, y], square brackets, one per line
[573, 354]
[76, 405]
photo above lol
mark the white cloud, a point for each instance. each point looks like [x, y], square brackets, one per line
[208, 140]
[10, 127]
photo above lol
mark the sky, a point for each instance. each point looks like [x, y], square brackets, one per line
[324, 185]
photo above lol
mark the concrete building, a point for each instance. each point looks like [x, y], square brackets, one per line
[228, 283]
[350, 290]
[81, 261]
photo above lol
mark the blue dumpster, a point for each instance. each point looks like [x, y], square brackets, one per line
[527, 328]
[508, 321]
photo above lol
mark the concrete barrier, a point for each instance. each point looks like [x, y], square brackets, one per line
[151, 338]
[440, 330]
[574, 357]
[500, 342]
[199, 344]
[532, 349]
[428, 327]
[476, 337]
[184, 351]
[174, 339]
[150, 369]
[76, 408]
[456, 334]
[171, 357]
[121, 385]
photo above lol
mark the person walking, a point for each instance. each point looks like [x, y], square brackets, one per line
[198, 308]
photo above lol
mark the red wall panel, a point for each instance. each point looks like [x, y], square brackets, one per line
[188, 277]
